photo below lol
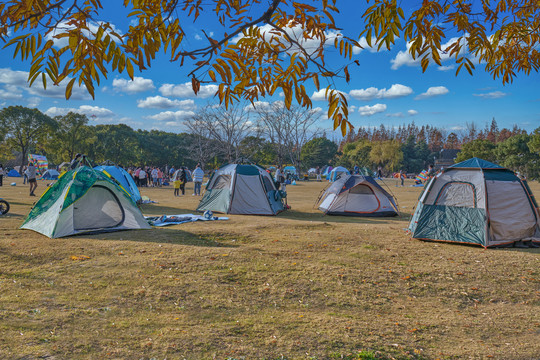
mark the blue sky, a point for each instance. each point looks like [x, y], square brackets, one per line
[387, 88]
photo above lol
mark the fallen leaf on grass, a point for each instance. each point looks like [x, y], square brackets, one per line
[79, 257]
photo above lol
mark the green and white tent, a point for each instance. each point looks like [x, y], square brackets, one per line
[476, 202]
[84, 200]
[242, 189]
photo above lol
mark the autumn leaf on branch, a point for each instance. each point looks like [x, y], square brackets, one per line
[267, 45]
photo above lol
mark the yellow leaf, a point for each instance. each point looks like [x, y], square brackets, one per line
[344, 127]
[316, 81]
[129, 68]
[79, 257]
[69, 88]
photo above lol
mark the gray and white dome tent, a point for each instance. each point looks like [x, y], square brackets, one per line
[242, 189]
[357, 195]
[477, 202]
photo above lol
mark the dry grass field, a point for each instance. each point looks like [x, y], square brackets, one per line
[299, 285]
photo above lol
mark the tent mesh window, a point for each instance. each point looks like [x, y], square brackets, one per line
[361, 189]
[457, 193]
[269, 186]
[99, 208]
[221, 182]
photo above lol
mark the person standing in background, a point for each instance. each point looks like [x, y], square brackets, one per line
[1, 175]
[32, 178]
[183, 179]
[279, 178]
[198, 175]
[142, 177]
[24, 173]
[176, 182]
[154, 174]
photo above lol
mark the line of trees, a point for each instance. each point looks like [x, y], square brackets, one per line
[412, 148]
[269, 134]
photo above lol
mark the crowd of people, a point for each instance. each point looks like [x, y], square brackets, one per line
[154, 176]
[146, 176]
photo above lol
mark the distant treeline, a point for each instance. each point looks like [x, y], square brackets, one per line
[215, 138]
[412, 148]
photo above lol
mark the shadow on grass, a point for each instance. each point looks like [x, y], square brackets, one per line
[20, 203]
[157, 209]
[168, 235]
[510, 248]
[309, 216]
[10, 215]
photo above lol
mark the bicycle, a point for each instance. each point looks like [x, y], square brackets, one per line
[4, 207]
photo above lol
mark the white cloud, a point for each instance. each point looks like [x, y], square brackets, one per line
[257, 105]
[398, 114]
[33, 102]
[59, 92]
[365, 46]
[433, 91]
[94, 113]
[310, 45]
[371, 110]
[16, 83]
[446, 68]
[13, 77]
[321, 94]
[492, 95]
[412, 112]
[171, 124]
[93, 27]
[198, 37]
[395, 91]
[171, 116]
[160, 102]
[404, 58]
[137, 85]
[186, 91]
[10, 95]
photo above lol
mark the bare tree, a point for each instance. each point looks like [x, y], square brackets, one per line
[201, 147]
[288, 129]
[226, 126]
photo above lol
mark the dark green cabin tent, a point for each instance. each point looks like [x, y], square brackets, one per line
[476, 202]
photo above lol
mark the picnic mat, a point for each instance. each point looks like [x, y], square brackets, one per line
[167, 220]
